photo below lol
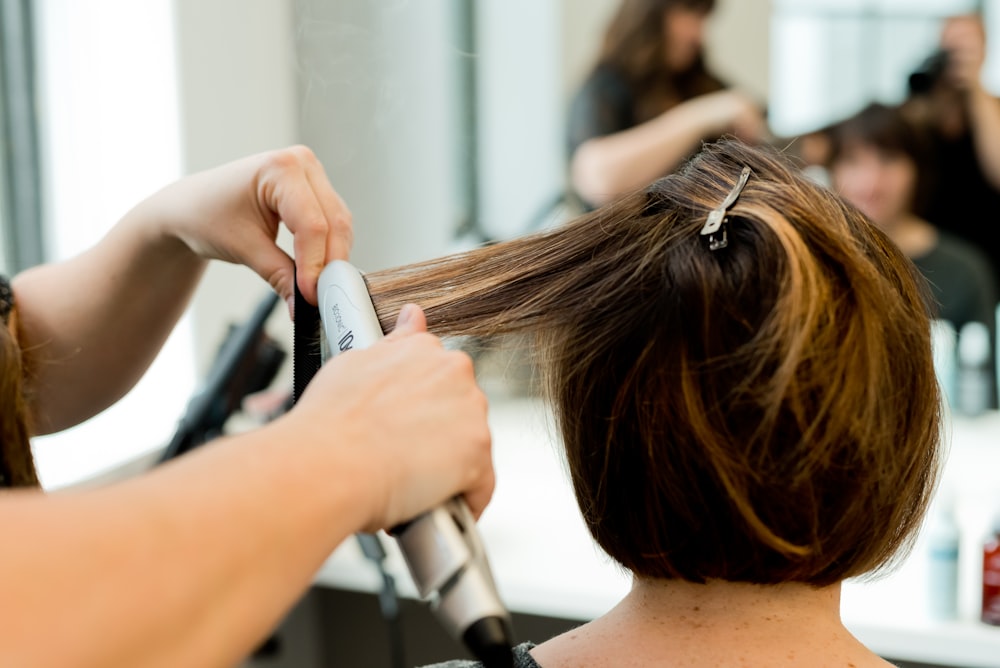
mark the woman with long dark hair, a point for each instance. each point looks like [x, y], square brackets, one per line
[650, 100]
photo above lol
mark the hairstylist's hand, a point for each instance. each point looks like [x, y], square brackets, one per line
[232, 213]
[408, 416]
[733, 111]
[964, 38]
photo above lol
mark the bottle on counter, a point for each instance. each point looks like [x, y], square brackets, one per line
[973, 386]
[943, 539]
[991, 574]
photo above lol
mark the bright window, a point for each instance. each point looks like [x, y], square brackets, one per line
[830, 57]
[110, 137]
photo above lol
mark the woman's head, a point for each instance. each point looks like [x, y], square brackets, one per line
[658, 45]
[879, 161]
[764, 412]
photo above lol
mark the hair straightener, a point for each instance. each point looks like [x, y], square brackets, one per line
[442, 548]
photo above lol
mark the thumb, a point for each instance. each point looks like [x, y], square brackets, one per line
[411, 320]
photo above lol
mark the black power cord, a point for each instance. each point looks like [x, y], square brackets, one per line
[388, 597]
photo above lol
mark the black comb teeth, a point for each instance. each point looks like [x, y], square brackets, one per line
[306, 358]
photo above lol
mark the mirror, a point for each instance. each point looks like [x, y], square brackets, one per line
[458, 107]
[441, 122]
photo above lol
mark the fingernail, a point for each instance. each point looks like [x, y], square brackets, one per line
[405, 315]
[291, 306]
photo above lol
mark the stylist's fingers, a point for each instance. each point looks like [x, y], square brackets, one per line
[481, 481]
[340, 236]
[478, 496]
[313, 215]
[319, 239]
[411, 320]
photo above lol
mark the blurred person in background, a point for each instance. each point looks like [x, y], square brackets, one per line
[650, 101]
[879, 162]
[948, 99]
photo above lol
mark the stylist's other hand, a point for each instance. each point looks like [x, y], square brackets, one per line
[409, 417]
[733, 111]
[233, 212]
[964, 39]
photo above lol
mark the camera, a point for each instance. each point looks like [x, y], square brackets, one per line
[929, 73]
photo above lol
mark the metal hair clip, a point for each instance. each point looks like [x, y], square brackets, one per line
[717, 217]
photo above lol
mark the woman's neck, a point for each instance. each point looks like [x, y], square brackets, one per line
[721, 603]
[671, 622]
[915, 236]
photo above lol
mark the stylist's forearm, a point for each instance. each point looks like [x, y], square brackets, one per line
[606, 167]
[191, 565]
[91, 326]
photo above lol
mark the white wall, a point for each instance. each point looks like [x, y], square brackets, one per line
[378, 87]
[236, 65]
[739, 44]
[521, 113]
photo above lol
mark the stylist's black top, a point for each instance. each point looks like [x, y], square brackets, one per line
[603, 106]
[963, 201]
[522, 659]
[6, 299]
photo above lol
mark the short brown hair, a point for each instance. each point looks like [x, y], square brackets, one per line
[766, 412]
[888, 129]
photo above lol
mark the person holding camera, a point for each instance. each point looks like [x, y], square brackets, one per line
[948, 98]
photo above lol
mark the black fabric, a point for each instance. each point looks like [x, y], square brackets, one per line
[961, 279]
[963, 285]
[6, 299]
[604, 105]
[963, 202]
[522, 659]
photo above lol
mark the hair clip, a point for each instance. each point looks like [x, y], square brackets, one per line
[717, 217]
